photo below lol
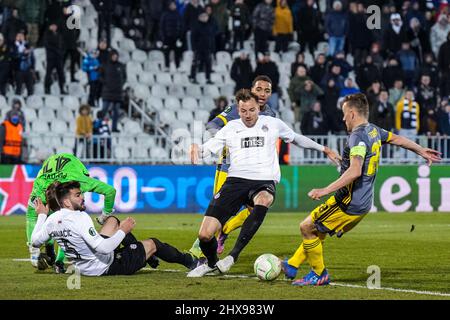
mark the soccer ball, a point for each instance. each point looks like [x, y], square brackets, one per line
[267, 267]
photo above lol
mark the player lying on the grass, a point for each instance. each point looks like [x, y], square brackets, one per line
[354, 189]
[254, 171]
[96, 254]
[62, 167]
[262, 88]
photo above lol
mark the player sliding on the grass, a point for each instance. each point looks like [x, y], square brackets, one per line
[262, 88]
[254, 171]
[97, 254]
[62, 167]
[354, 189]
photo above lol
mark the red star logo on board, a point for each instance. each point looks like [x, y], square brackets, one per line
[15, 190]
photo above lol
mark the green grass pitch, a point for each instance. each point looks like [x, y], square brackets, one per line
[411, 262]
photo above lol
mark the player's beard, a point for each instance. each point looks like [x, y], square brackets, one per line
[79, 207]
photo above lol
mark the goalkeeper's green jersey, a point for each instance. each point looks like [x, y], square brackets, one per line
[65, 167]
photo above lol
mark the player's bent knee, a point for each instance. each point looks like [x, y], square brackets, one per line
[306, 228]
[149, 246]
[263, 198]
[205, 235]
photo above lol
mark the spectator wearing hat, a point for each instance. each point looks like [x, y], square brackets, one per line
[394, 36]
[11, 140]
[5, 64]
[283, 27]
[335, 74]
[91, 66]
[349, 88]
[171, 33]
[113, 77]
[17, 109]
[263, 19]
[24, 63]
[241, 71]
[336, 26]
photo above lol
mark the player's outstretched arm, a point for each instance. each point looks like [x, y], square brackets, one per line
[350, 175]
[194, 152]
[97, 186]
[428, 154]
[307, 143]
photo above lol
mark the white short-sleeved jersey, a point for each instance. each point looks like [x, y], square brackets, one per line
[75, 233]
[253, 151]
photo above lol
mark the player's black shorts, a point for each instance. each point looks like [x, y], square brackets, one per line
[128, 259]
[235, 193]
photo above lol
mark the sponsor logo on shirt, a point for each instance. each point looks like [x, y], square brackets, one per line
[61, 233]
[252, 142]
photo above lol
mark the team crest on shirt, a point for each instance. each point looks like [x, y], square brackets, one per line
[217, 195]
[133, 246]
[265, 128]
[92, 231]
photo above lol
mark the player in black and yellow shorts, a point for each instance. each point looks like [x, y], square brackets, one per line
[262, 87]
[353, 190]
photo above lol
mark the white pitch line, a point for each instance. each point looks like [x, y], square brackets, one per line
[431, 293]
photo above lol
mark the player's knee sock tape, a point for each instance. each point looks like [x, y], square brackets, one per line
[249, 228]
[167, 253]
[209, 249]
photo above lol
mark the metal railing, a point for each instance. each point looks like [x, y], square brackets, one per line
[157, 149]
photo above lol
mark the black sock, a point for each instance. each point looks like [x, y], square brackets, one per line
[50, 251]
[209, 249]
[248, 230]
[168, 253]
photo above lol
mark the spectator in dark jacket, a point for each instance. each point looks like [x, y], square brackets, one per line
[444, 66]
[171, 31]
[113, 77]
[71, 45]
[339, 59]
[419, 39]
[240, 15]
[430, 67]
[103, 52]
[203, 41]
[359, 37]
[444, 125]
[13, 26]
[33, 12]
[221, 15]
[308, 26]
[394, 36]
[319, 69]
[315, 122]
[336, 25]
[299, 61]
[330, 107]
[335, 74]
[382, 112]
[54, 49]
[409, 62]
[263, 19]
[190, 20]
[153, 11]
[5, 65]
[241, 72]
[427, 99]
[105, 9]
[24, 63]
[266, 67]
[367, 73]
[392, 72]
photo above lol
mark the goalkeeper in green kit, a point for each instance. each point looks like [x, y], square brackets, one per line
[62, 167]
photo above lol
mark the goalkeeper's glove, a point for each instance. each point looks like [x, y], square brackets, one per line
[102, 218]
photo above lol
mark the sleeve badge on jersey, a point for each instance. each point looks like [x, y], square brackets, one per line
[217, 195]
[362, 144]
[227, 110]
[92, 231]
[265, 128]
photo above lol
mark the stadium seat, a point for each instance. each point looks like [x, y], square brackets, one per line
[70, 102]
[46, 114]
[64, 149]
[223, 57]
[141, 92]
[159, 91]
[121, 153]
[38, 126]
[156, 55]
[211, 91]
[35, 102]
[288, 116]
[134, 67]
[52, 102]
[188, 56]
[164, 79]
[144, 140]
[189, 103]
[179, 125]
[227, 90]
[139, 56]
[132, 127]
[158, 153]
[172, 103]
[140, 152]
[147, 78]
[58, 126]
[202, 115]
[154, 103]
[39, 87]
[76, 89]
[68, 141]
[217, 78]
[180, 79]
[288, 57]
[128, 45]
[30, 114]
[176, 91]
[152, 66]
[207, 103]
[167, 117]
[124, 56]
[193, 90]
[185, 116]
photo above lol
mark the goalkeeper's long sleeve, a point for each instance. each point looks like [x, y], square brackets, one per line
[97, 186]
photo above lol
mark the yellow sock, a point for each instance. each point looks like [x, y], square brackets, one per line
[236, 221]
[299, 257]
[314, 253]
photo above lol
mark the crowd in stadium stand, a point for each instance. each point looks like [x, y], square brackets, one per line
[403, 66]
